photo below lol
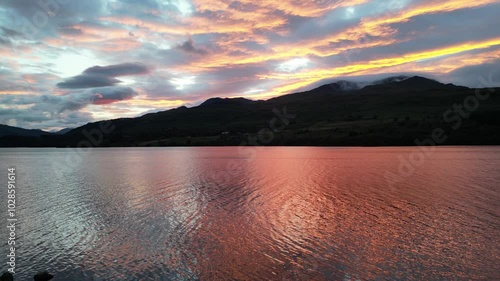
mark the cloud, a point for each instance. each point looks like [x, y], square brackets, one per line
[206, 48]
[87, 81]
[6, 36]
[98, 96]
[110, 94]
[69, 30]
[102, 76]
[43, 120]
[189, 47]
[478, 76]
[22, 115]
[46, 111]
[9, 32]
[5, 41]
[123, 69]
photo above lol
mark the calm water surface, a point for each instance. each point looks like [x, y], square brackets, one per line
[279, 214]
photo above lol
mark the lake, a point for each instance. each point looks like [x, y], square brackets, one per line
[266, 213]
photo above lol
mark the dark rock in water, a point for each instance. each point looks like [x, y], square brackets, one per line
[7, 276]
[43, 276]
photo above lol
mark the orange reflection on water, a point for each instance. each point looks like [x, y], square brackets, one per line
[297, 213]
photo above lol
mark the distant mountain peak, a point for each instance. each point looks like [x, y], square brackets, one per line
[226, 101]
[391, 79]
[348, 85]
[422, 82]
[338, 87]
[63, 131]
[408, 82]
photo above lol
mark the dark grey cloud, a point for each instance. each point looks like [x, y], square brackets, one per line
[9, 32]
[118, 70]
[87, 81]
[110, 94]
[150, 10]
[39, 19]
[68, 30]
[22, 116]
[466, 25]
[5, 41]
[46, 111]
[77, 100]
[477, 76]
[150, 4]
[43, 119]
[6, 35]
[102, 76]
[189, 47]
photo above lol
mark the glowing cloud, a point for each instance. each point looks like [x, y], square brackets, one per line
[293, 65]
[183, 82]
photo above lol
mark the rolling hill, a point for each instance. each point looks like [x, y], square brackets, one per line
[393, 111]
[9, 130]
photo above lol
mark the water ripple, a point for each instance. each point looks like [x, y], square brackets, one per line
[287, 214]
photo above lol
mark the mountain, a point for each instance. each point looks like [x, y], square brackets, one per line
[227, 101]
[391, 80]
[63, 131]
[393, 84]
[393, 111]
[6, 130]
[415, 83]
[339, 87]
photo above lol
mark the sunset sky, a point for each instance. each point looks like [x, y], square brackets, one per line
[66, 63]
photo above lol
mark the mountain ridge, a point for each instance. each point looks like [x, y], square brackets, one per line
[6, 130]
[395, 112]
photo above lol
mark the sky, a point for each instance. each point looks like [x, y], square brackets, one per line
[66, 63]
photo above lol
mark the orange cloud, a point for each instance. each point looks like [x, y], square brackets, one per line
[16, 92]
[374, 64]
[439, 66]
[198, 25]
[289, 7]
[302, 79]
[155, 103]
[377, 27]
